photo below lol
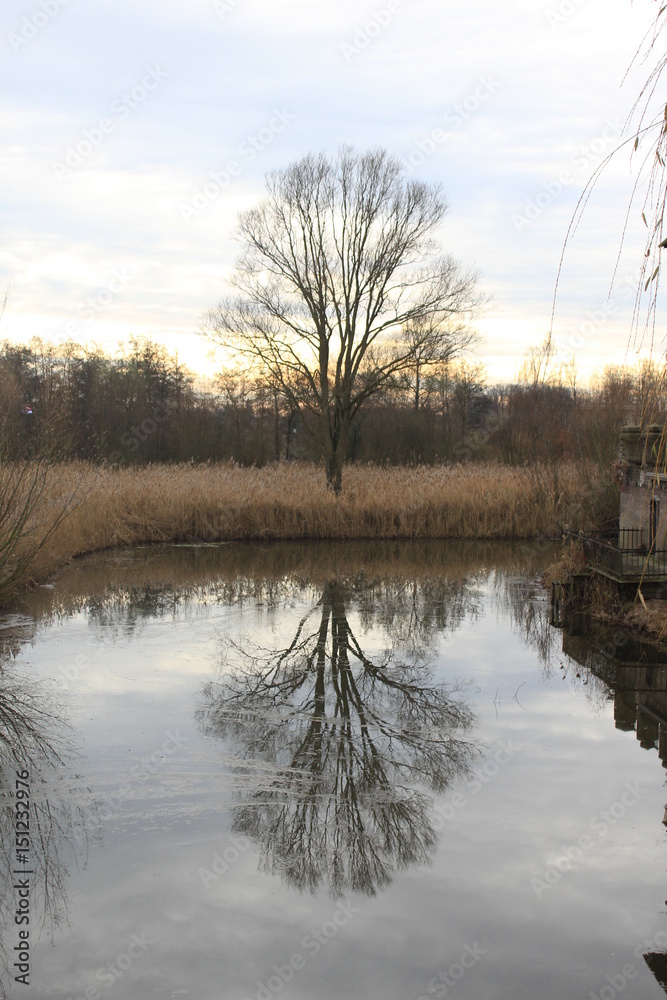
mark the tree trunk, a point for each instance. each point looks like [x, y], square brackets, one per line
[335, 470]
[276, 426]
[290, 421]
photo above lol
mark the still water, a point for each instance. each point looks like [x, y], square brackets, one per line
[322, 771]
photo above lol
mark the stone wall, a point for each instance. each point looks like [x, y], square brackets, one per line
[635, 511]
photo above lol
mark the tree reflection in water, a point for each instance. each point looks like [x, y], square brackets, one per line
[340, 750]
[34, 737]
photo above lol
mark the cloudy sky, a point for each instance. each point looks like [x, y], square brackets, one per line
[134, 132]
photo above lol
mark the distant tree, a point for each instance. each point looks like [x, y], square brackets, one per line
[542, 365]
[340, 284]
[469, 394]
[432, 347]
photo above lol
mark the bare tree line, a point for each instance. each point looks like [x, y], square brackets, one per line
[146, 407]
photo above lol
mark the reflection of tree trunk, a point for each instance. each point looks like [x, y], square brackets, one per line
[351, 741]
[319, 712]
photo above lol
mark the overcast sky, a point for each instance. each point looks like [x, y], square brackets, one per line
[117, 115]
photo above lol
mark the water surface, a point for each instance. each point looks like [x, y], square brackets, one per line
[352, 770]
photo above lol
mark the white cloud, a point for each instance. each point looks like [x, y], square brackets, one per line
[557, 87]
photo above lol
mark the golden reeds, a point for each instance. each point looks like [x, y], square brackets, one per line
[172, 503]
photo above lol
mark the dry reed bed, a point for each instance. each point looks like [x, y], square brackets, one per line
[127, 506]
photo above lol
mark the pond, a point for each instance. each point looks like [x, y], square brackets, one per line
[327, 770]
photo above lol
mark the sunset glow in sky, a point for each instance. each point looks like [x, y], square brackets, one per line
[134, 132]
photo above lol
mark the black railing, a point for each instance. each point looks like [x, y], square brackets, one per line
[632, 538]
[631, 562]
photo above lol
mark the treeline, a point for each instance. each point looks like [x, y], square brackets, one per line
[145, 406]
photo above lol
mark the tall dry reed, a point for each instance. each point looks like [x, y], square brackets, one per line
[170, 503]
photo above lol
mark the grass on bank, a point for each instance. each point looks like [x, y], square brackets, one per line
[222, 502]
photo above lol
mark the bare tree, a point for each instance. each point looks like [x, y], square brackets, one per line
[337, 262]
[432, 347]
[542, 365]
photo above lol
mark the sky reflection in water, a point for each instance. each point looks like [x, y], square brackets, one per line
[315, 770]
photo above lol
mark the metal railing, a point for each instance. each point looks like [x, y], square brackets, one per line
[632, 538]
[632, 562]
